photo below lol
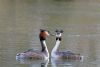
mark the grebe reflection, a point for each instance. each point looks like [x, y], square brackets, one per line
[34, 63]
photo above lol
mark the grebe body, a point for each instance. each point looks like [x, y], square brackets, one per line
[36, 54]
[56, 54]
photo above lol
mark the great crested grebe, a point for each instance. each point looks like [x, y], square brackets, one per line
[36, 54]
[56, 54]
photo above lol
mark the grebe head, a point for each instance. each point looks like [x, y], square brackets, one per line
[43, 34]
[59, 33]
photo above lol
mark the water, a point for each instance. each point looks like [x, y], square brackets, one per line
[20, 21]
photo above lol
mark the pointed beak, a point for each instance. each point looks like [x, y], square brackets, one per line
[51, 33]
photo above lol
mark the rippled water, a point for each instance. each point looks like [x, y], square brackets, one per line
[20, 21]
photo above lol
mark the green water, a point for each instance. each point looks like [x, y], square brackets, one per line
[20, 21]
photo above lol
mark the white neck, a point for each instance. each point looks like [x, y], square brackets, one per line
[55, 47]
[46, 49]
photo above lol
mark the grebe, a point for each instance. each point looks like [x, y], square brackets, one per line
[56, 54]
[35, 54]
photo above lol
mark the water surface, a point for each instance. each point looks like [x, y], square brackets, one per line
[20, 21]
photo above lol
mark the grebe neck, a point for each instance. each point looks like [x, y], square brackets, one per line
[55, 49]
[44, 48]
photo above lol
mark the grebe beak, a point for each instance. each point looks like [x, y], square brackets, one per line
[51, 34]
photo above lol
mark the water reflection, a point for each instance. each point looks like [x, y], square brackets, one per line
[34, 63]
[67, 63]
[57, 62]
